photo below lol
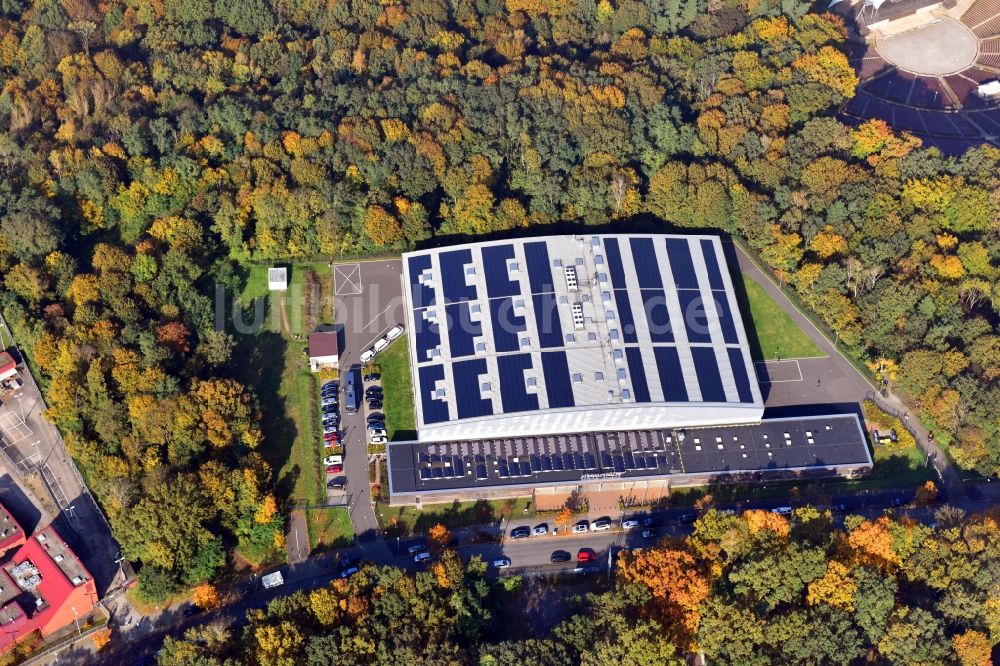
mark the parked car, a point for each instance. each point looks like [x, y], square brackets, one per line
[586, 555]
[331, 437]
[373, 391]
[502, 563]
[416, 548]
[522, 532]
[331, 385]
[376, 425]
[649, 534]
[560, 556]
[381, 439]
[190, 610]
[648, 521]
[581, 527]
[600, 525]
[327, 429]
[394, 332]
[348, 572]
[333, 460]
[335, 469]
[688, 518]
[375, 404]
[336, 484]
[540, 530]
[420, 558]
[367, 355]
[377, 433]
[380, 345]
[329, 402]
[372, 377]
[782, 510]
[630, 524]
[376, 416]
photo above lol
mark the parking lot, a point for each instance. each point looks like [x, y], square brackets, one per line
[368, 302]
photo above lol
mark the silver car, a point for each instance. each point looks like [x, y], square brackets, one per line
[581, 527]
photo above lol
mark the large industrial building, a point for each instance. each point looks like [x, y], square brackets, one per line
[568, 363]
[576, 333]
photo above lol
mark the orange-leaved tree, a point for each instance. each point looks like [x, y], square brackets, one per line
[676, 581]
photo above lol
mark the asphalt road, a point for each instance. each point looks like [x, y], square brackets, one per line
[367, 303]
[530, 556]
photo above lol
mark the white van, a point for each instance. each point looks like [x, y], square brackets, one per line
[394, 332]
[380, 344]
[782, 510]
[367, 355]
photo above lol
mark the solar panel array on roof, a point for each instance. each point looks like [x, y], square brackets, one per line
[506, 325]
[615, 264]
[427, 335]
[536, 255]
[421, 295]
[707, 368]
[668, 366]
[622, 298]
[726, 320]
[557, 382]
[462, 330]
[740, 374]
[681, 263]
[547, 322]
[495, 262]
[694, 315]
[657, 315]
[637, 369]
[513, 392]
[454, 282]
[467, 389]
[712, 264]
[435, 410]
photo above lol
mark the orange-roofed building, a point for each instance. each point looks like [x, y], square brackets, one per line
[43, 587]
[8, 366]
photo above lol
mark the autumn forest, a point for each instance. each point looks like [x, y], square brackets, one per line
[154, 148]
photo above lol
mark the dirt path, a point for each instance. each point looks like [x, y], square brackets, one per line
[283, 312]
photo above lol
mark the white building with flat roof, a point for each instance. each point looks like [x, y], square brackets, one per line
[576, 334]
[277, 279]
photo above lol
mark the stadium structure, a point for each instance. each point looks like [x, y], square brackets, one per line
[598, 362]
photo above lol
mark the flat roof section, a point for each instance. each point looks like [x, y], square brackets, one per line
[792, 444]
[571, 324]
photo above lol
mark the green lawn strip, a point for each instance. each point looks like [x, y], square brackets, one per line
[777, 334]
[299, 391]
[329, 528]
[256, 286]
[394, 364]
[403, 520]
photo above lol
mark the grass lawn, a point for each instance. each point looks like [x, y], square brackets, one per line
[276, 368]
[328, 529]
[394, 363]
[410, 520]
[777, 335]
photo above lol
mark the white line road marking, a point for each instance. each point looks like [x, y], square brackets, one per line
[778, 364]
[350, 276]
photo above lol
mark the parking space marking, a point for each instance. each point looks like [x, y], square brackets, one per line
[778, 368]
[14, 427]
[347, 280]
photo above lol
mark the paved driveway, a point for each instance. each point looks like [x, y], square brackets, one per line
[368, 302]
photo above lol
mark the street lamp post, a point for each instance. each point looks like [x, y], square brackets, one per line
[76, 618]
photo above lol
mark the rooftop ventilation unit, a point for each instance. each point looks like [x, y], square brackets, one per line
[577, 316]
[571, 282]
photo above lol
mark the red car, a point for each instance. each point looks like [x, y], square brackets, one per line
[331, 437]
[334, 469]
[585, 555]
